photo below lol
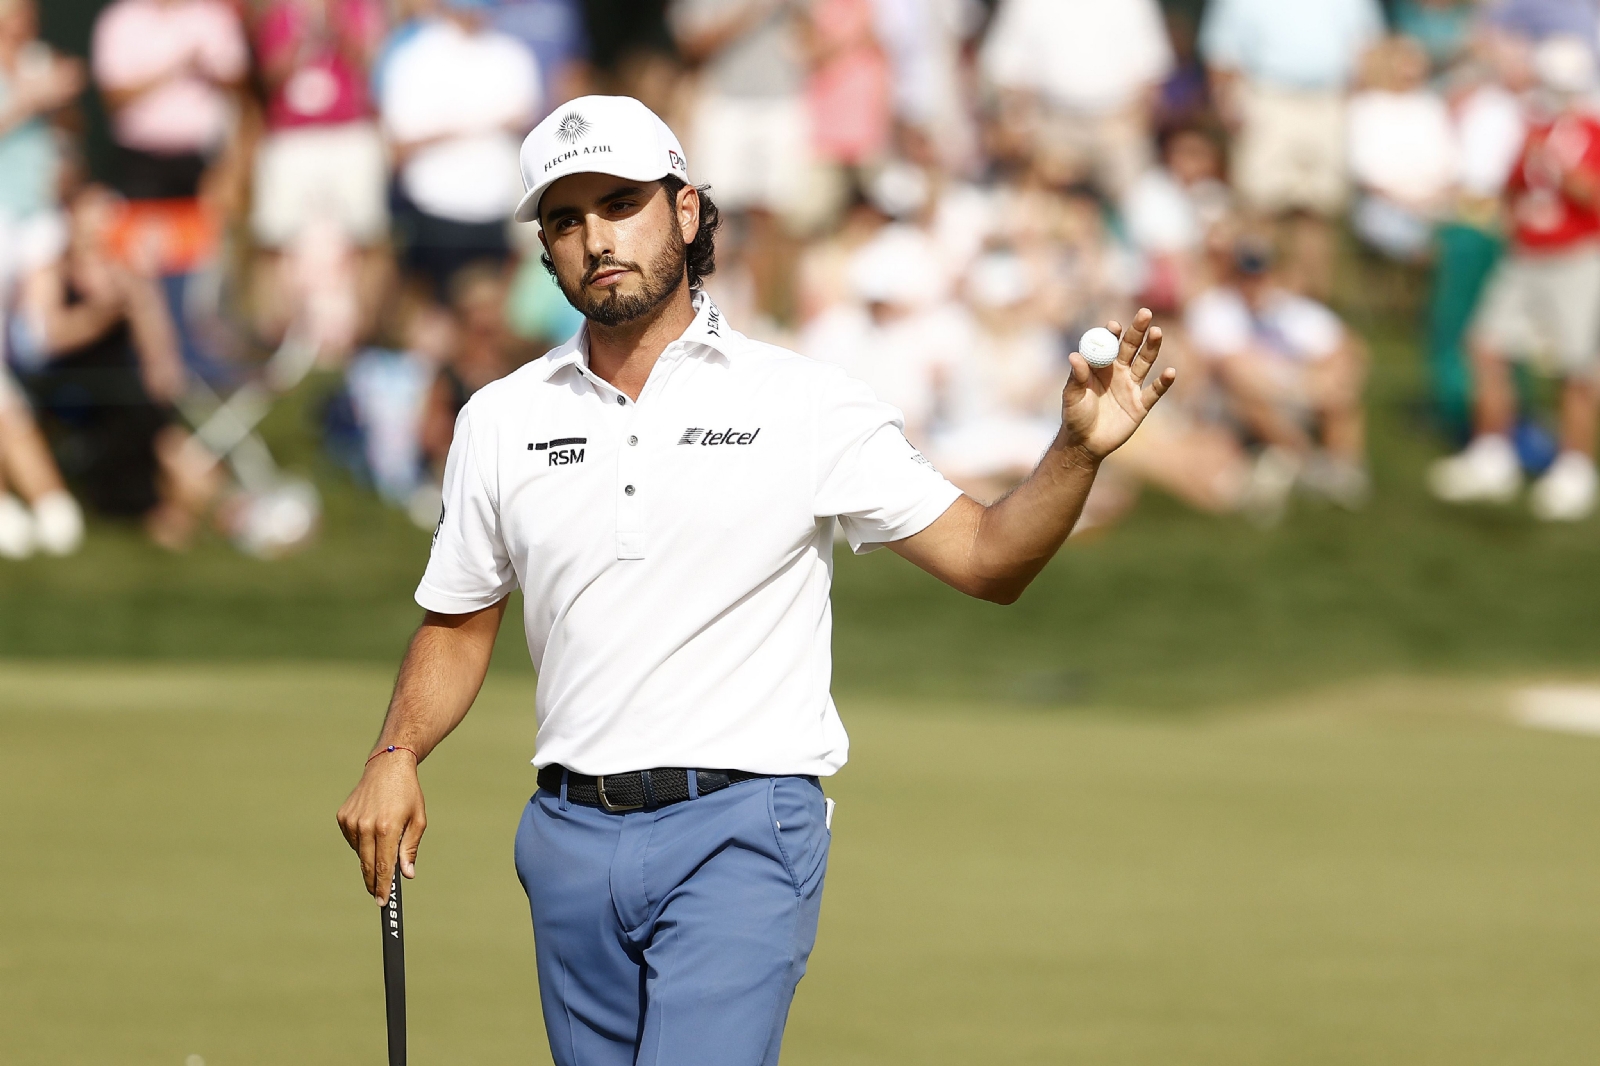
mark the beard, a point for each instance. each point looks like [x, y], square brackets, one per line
[657, 282]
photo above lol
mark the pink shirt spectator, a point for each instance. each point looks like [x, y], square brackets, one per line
[321, 43]
[176, 52]
[847, 93]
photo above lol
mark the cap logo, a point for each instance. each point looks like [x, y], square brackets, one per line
[572, 128]
[676, 160]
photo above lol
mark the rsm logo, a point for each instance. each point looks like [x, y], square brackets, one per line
[562, 451]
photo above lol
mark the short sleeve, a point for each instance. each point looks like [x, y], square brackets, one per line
[868, 475]
[469, 568]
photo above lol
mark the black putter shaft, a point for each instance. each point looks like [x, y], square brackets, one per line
[394, 971]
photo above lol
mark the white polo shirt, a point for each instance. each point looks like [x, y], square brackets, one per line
[676, 554]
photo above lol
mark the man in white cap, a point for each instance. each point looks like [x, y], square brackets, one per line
[665, 491]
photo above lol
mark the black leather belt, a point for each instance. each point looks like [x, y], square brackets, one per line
[638, 790]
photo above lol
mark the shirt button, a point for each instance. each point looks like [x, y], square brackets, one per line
[621, 400]
[628, 489]
[632, 441]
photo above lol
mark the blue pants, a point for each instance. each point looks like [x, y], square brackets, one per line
[674, 937]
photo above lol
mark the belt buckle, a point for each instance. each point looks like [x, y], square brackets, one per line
[607, 805]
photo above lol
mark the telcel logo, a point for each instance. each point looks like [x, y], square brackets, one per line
[710, 438]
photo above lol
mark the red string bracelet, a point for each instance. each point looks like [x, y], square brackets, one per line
[394, 747]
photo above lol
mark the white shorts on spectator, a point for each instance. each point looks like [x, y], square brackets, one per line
[336, 172]
[1546, 308]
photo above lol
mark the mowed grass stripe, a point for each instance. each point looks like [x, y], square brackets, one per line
[1382, 874]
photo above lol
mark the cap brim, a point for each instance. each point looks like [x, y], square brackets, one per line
[528, 207]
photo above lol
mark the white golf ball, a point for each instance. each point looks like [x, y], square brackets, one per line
[1099, 347]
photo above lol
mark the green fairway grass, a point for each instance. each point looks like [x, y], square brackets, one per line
[1384, 872]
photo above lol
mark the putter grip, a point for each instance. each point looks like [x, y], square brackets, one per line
[394, 971]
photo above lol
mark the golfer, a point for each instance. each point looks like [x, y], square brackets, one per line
[665, 492]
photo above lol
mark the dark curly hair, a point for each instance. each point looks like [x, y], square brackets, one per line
[702, 251]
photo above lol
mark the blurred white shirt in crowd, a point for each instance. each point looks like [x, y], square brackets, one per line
[1163, 215]
[1221, 324]
[1290, 44]
[1084, 55]
[1402, 144]
[903, 357]
[471, 95]
[1490, 130]
[922, 39]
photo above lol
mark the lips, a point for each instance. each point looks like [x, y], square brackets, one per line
[608, 277]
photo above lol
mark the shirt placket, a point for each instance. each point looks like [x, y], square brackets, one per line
[633, 474]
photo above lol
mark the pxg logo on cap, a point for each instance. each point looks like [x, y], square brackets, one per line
[615, 135]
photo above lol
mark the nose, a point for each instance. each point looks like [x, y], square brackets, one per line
[598, 238]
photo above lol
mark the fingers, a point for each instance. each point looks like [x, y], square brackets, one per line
[1148, 354]
[410, 841]
[1077, 380]
[1158, 388]
[386, 846]
[1132, 337]
[366, 846]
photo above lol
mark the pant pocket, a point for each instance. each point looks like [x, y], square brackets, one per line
[799, 817]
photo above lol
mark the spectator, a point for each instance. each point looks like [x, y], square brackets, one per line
[385, 401]
[1486, 110]
[168, 71]
[1543, 301]
[1402, 151]
[35, 83]
[1083, 76]
[1169, 211]
[321, 159]
[1279, 74]
[1001, 399]
[923, 40]
[103, 370]
[482, 352]
[46, 517]
[848, 89]
[1290, 375]
[456, 98]
[896, 332]
[749, 123]
[1536, 20]
[750, 136]
[554, 31]
[1443, 28]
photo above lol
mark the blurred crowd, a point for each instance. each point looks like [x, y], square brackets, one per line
[940, 195]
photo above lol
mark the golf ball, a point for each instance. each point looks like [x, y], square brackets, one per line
[1099, 347]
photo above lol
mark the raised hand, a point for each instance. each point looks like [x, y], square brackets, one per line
[1100, 408]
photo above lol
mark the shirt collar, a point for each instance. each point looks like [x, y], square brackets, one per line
[709, 328]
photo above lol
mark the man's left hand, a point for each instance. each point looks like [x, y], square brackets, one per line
[1101, 408]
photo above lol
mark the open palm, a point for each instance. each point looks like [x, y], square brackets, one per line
[1100, 408]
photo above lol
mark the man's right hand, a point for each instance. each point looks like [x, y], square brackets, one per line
[385, 815]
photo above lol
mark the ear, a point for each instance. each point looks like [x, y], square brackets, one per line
[544, 242]
[688, 207]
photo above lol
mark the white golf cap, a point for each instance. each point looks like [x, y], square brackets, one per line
[614, 135]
